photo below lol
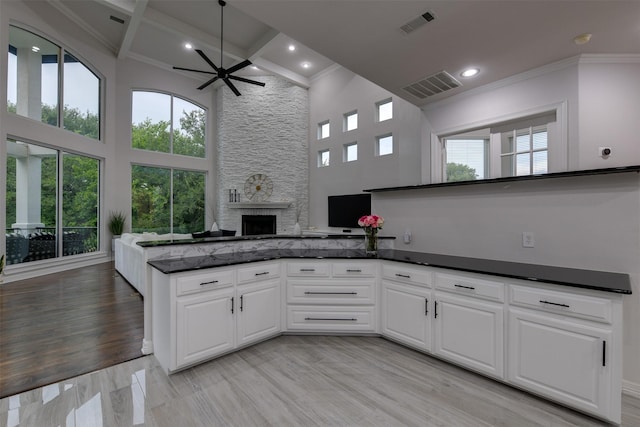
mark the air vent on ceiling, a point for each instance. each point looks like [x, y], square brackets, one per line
[432, 85]
[416, 23]
[116, 19]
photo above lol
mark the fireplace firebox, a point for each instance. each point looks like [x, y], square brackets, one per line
[253, 225]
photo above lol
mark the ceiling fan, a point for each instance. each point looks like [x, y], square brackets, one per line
[220, 72]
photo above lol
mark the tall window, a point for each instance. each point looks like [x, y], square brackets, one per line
[52, 203]
[168, 124]
[167, 200]
[324, 130]
[466, 158]
[524, 151]
[351, 121]
[35, 74]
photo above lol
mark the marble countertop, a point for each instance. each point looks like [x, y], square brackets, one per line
[152, 243]
[588, 279]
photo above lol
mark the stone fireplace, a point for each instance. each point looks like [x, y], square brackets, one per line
[253, 225]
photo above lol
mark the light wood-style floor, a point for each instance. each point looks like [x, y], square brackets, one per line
[294, 381]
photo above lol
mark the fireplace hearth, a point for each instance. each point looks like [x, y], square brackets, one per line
[253, 225]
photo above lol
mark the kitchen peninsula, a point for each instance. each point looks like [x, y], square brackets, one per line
[496, 318]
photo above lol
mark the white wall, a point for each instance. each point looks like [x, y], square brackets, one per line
[340, 92]
[580, 222]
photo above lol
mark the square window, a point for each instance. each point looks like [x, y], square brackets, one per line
[323, 130]
[467, 158]
[351, 121]
[323, 158]
[384, 145]
[384, 110]
[351, 152]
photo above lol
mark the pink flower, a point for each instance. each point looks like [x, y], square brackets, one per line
[371, 222]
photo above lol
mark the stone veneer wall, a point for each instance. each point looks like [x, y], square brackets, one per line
[265, 130]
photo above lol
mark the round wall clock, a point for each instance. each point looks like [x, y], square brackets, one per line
[258, 187]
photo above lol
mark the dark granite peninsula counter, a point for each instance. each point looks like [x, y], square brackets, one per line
[587, 279]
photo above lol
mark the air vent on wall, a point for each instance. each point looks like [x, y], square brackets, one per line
[432, 85]
[416, 23]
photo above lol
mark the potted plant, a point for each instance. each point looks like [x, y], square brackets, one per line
[116, 225]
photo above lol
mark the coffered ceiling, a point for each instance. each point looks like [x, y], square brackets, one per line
[500, 38]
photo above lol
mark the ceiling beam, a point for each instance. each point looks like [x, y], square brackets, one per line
[132, 28]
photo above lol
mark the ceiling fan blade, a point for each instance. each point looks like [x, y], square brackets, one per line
[191, 69]
[201, 53]
[231, 86]
[239, 66]
[202, 86]
[242, 79]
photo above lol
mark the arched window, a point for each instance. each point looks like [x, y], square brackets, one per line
[35, 76]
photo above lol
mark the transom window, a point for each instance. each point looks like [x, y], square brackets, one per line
[34, 75]
[525, 151]
[323, 158]
[324, 130]
[466, 158]
[384, 110]
[168, 124]
[351, 152]
[351, 121]
[384, 145]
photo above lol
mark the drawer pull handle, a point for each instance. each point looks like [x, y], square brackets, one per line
[209, 283]
[231, 305]
[406, 276]
[331, 318]
[435, 309]
[330, 293]
[464, 287]
[554, 303]
[307, 270]
[262, 274]
[354, 270]
[604, 353]
[241, 302]
[426, 306]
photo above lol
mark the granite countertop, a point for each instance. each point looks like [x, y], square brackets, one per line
[152, 243]
[588, 279]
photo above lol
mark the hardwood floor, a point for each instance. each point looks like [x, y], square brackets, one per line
[66, 324]
[294, 381]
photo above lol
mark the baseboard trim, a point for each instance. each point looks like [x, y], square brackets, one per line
[631, 389]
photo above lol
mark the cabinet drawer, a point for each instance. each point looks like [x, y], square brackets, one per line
[308, 269]
[471, 286]
[354, 269]
[564, 303]
[341, 319]
[331, 292]
[404, 274]
[258, 272]
[204, 282]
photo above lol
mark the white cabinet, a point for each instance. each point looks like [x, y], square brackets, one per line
[332, 296]
[406, 305]
[469, 322]
[199, 315]
[204, 326]
[258, 311]
[556, 352]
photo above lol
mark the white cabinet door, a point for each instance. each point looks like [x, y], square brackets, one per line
[406, 314]
[204, 325]
[258, 311]
[470, 332]
[560, 358]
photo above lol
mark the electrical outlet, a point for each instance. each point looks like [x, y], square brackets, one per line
[528, 239]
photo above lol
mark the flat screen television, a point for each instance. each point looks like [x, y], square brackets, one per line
[346, 210]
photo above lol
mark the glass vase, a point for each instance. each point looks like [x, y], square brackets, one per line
[371, 242]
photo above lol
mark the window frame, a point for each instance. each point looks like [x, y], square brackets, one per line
[345, 152]
[345, 121]
[379, 104]
[379, 139]
[321, 127]
[557, 160]
[320, 159]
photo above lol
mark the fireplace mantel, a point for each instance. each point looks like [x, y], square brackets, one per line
[259, 205]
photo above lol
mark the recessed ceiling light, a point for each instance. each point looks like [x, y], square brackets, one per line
[188, 46]
[35, 49]
[306, 65]
[292, 48]
[582, 38]
[255, 67]
[470, 72]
